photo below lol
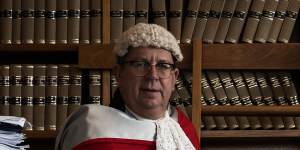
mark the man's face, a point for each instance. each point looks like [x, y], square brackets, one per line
[146, 95]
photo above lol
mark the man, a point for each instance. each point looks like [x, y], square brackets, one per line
[141, 117]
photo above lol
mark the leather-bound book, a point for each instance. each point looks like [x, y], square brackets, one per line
[225, 19]
[4, 90]
[15, 80]
[27, 28]
[96, 21]
[84, 32]
[27, 93]
[237, 21]
[73, 21]
[39, 21]
[142, 11]
[278, 20]
[253, 18]
[16, 22]
[185, 97]
[175, 100]
[266, 21]
[61, 21]
[289, 21]
[95, 87]
[39, 98]
[114, 84]
[129, 14]
[63, 84]
[116, 19]
[6, 21]
[213, 21]
[51, 97]
[207, 122]
[50, 22]
[159, 13]
[175, 18]
[74, 100]
[190, 21]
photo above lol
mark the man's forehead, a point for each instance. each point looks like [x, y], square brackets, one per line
[149, 53]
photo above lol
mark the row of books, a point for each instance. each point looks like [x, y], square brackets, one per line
[213, 21]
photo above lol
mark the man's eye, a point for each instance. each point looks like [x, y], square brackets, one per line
[138, 64]
[163, 66]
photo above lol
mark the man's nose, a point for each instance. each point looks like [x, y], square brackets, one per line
[153, 72]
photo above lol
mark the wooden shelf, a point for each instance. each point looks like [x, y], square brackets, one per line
[40, 134]
[250, 133]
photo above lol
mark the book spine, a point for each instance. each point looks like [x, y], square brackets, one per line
[96, 21]
[175, 18]
[27, 93]
[51, 97]
[190, 21]
[289, 21]
[116, 19]
[225, 19]
[27, 28]
[63, 83]
[159, 13]
[50, 22]
[39, 21]
[266, 21]
[129, 14]
[6, 21]
[142, 11]
[39, 96]
[207, 122]
[95, 87]
[175, 101]
[253, 18]
[74, 99]
[237, 21]
[114, 84]
[4, 90]
[185, 97]
[15, 90]
[84, 33]
[16, 22]
[213, 21]
[73, 23]
[61, 16]
[278, 20]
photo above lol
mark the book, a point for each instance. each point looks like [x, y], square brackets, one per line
[266, 21]
[39, 83]
[96, 21]
[27, 93]
[142, 11]
[159, 13]
[253, 18]
[61, 16]
[207, 122]
[114, 84]
[189, 21]
[129, 14]
[39, 21]
[175, 18]
[4, 90]
[50, 22]
[278, 20]
[27, 21]
[237, 21]
[73, 21]
[84, 27]
[116, 20]
[16, 22]
[74, 91]
[289, 21]
[175, 101]
[15, 79]
[6, 21]
[95, 87]
[225, 19]
[185, 97]
[213, 21]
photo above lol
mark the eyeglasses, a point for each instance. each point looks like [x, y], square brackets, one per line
[141, 68]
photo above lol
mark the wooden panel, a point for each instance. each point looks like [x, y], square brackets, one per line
[106, 87]
[106, 21]
[249, 133]
[38, 47]
[41, 134]
[251, 56]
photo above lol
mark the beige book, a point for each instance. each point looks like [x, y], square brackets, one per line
[27, 28]
[96, 21]
[6, 21]
[142, 11]
[175, 18]
[213, 21]
[16, 22]
[74, 99]
[159, 13]
[190, 21]
[278, 20]
[15, 90]
[185, 97]
[50, 22]
[289, 21]
[95, 87]
[266, 21]
[27, 93]
[116, 20]
[4, 90]
[129, 14]
[84, 31]
[175, 101]
[207, 122]
[73, 21]
[253, 18]
[61, 21]
[237, 21]
[114, 84]
[225, 19]
[39, 21]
